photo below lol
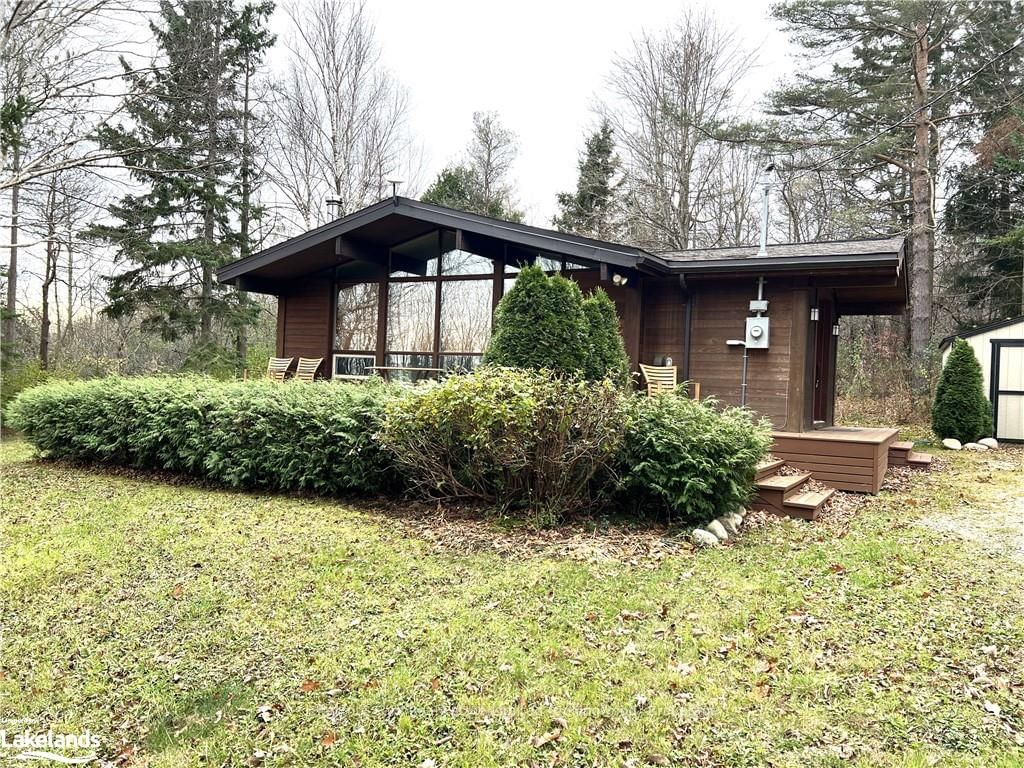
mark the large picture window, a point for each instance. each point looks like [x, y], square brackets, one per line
[355, 327]
[439, 298]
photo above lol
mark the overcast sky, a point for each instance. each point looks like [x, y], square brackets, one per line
[541, 64]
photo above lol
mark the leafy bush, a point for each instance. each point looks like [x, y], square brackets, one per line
[244, 434]
[689, 459]
[519, 439]
[606, 352]
[961, 410]
[540, 324]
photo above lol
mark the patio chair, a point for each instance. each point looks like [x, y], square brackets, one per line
[660, 378]
[307, 368]
[278, 367]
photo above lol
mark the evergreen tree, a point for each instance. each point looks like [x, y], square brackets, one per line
[540, 323]
[185, 150]
[590, 210]
[961, 410]
[480, 183]
[908, 79]
[986, 215]
[606, 351]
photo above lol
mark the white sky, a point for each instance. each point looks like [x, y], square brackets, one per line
[540, 64]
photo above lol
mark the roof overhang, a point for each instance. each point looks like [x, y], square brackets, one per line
[371, 232]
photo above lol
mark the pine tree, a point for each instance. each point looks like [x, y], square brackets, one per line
[590, 210]
[887, 106]
[184, 148]
[961, 410]
[985, 215]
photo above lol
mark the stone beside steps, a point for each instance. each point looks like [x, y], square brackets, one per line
[787, 494]
[902, 454]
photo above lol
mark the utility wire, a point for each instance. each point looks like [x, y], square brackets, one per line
[964, 81]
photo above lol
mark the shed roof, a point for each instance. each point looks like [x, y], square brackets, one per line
[995, 325]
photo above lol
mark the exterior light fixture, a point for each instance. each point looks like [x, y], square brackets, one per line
[835, 329]
[619, 279]
[814, 314]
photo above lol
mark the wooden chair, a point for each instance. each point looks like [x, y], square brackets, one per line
[307, 368]
[660, 378]
[278, 367]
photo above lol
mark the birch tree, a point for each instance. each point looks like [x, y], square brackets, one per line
[340, 115]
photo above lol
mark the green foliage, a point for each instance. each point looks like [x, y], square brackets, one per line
[254, 434]
[961, 410]
[184, 146]
[606, 351]
[689, 459]
[591, 208]
[19, 376]
[540, 323]
[518, 439]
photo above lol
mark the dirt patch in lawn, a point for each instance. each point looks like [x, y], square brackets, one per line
[991, 512]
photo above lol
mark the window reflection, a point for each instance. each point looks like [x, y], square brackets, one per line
[356, 319]
[466, 315]
[465, 263]
[411, 316]
[410, 362]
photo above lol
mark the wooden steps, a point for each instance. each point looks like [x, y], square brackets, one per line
[787, 494]
[902, 454]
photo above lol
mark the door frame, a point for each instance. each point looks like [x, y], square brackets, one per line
[823, 364]
[993, 384]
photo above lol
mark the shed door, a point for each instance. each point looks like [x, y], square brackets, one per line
[1008, 388]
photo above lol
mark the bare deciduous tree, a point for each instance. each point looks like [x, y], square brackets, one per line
[340, 115]
[669, 95]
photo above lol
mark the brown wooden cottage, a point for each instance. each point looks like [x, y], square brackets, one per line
[409, 287]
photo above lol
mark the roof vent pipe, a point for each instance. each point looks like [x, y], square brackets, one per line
[766, 185]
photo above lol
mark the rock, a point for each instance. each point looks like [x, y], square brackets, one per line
[718, 529]
[952, 444]
[737, 519]
[989, 442]
[704, 539]
[727, 523]
[975, 447]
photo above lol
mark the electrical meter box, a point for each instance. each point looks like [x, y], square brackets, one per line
[757, 333]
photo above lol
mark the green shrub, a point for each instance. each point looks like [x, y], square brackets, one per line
[687, 458]
[294, 436]
[540, 324]
[961, 410]
[606, 352]
[517, 439]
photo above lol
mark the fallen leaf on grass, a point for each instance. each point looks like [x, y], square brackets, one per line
[681, 667]
[178, 591]
[328, 738]
[308, 686]
[992, 708]
[656, 759]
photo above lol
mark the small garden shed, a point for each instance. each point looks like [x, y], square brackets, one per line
[999, 347]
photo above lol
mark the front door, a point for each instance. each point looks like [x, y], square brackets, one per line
[823, 359]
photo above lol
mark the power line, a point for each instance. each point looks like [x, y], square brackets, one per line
[968, 78]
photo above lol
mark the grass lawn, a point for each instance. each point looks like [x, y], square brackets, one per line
[188, 626]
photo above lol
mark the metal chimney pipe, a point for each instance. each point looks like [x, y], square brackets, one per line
[766, 184]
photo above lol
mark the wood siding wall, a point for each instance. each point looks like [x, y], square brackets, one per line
[775, 376]
[664, 323]
[305, 321]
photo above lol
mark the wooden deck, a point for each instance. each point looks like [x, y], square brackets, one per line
[847, 458]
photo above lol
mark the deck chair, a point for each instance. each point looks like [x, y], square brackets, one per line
[660, 378]
[307, 368]
[278, 367]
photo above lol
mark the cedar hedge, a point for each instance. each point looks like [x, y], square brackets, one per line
[537, 443]
[243, 434]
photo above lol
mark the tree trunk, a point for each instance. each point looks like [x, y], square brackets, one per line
[209, 216]
[245, 210]
[10, 307]
[49, 275]
[922, 234]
